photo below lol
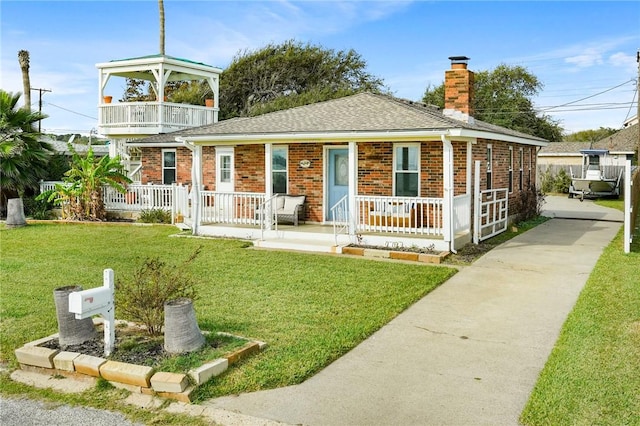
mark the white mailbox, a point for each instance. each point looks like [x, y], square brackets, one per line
[88, 303]
[97, 301]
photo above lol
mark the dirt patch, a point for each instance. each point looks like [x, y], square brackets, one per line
[469, 253]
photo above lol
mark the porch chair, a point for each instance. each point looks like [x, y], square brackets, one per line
[290, 209]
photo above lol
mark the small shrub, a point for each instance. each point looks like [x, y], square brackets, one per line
[142, 296]
[555, 183]
[155, 216]
[546, 185]
[528, 204]
[562, 182]
[37, 208]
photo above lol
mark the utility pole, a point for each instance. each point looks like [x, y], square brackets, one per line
[40, 105]
[638, 101]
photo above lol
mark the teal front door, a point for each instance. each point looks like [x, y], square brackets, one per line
[337, 177]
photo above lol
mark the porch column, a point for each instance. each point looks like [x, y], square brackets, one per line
[447, 208]
[353, 188]
[268, 175]
[196, 183]
[268, 181]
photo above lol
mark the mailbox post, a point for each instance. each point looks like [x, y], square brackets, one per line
[97, 301]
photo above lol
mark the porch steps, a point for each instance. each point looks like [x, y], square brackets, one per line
[297, 245]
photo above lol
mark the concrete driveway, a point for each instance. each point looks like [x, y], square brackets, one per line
[470, 352]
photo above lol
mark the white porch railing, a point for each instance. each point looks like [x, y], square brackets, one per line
[340, 217]
[461, 213]
[153, 115]
[405, 215]
[238, 208]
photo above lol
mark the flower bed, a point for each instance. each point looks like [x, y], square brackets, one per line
[45, 356]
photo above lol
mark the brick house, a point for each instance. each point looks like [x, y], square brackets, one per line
[390, 171]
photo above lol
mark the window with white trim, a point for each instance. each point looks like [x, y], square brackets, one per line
[489, 166]
[521, 165]
[279, 175]
[225, 168]
[169, 169]
[510, 169]
[406, 170]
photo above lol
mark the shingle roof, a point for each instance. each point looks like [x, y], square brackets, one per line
[626, 140]
[362, 112]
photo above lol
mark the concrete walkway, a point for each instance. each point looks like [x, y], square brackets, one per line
[470, 352]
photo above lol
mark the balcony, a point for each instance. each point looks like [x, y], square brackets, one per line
[151, 118]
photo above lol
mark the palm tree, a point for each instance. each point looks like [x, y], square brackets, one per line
[23, 157]
[161, 9]
[23, 59]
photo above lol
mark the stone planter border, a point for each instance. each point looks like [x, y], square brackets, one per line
[132, 377]
[436, 258]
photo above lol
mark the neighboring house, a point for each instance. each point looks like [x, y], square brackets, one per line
[62, 147]
[388, 171]
[622, 145]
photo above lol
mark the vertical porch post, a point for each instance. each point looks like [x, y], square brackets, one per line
[353, 188]
[268, 182]
[447, 183]
[196, 182]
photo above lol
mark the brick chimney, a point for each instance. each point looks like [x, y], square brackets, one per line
[458, 90]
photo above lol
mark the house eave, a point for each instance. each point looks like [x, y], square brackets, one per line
[172, 144]
[311, 137]
[480, 134]
[388, 136]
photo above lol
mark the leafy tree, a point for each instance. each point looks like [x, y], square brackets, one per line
[23, 156]
[135, 91]
[503, 97]
[272, 78]
[590, 135]
[81, 193]
[304, 73]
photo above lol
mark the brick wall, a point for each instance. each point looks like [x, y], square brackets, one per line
[375, 174]
[152, 165]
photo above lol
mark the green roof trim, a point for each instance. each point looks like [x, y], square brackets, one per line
[163, 56]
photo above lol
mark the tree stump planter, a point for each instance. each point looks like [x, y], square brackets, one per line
[181, 331]
[71, 331]
[15, 213]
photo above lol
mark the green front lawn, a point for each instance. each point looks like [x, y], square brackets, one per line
[309, 308]
[593, 374]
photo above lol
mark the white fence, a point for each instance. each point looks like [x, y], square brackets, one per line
[490, 209]
[631, 204]
[492, 213]
[404, 215]
[174, 198]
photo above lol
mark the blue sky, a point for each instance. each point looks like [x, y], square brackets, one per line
[577, 49]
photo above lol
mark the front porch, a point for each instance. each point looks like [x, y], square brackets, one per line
[376, 220]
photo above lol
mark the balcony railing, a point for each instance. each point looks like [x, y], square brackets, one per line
[140, 118]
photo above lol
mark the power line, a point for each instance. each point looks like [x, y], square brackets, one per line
[71, 111]
[587, 97]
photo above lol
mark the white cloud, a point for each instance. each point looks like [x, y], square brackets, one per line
[621, 59]
[589, 58]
